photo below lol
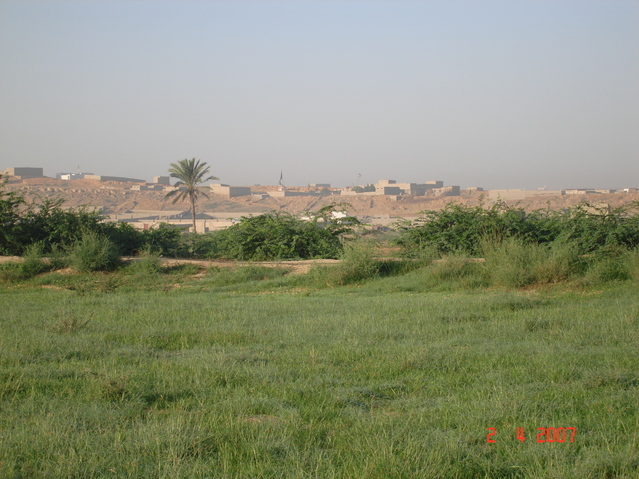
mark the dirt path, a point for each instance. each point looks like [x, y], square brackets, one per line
[295, 267]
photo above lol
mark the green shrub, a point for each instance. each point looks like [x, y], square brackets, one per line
[632, 262]
[461, 229]
[357, 264]
[608, 266]
[516, 263]
[452, 272]
[11, 272]
[165, 240]
[148, 263]
[277, 236]
[94, 252]
[58, 258]
[32, 261]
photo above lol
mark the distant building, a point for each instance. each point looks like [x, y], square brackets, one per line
[147, 187]
[91, 176]
[72, 176]
[387, 190]
[392, 188]
[24, 172]
[320, 185]
[162, 180]
[447, 191]
[231, 191]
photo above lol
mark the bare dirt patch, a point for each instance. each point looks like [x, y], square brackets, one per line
[295, 267]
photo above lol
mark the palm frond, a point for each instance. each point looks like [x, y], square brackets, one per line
[190, 174]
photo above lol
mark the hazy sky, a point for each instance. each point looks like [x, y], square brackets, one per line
[519, 94]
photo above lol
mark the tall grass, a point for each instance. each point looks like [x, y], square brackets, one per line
[359, 263]
[515, 263]
[348, 382]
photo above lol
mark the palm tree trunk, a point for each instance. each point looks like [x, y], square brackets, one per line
[193, 213]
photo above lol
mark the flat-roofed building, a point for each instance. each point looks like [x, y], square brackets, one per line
[447, 191]
[161, 180]
[387, 190]
[24, 172]
[231, 191]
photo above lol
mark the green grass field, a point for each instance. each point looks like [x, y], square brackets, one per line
[255, 374]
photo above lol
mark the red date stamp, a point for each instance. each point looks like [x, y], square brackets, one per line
[544, 434]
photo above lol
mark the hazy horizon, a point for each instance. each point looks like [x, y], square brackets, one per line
[521, 94]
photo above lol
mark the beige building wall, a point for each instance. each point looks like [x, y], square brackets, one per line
[24, 172]
[447, 191]
[516, 195]
[231, 191]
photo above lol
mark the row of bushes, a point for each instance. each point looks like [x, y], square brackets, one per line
[266, 237]
[456, 229]
[462, 229]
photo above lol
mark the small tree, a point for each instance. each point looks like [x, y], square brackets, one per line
[190, 175]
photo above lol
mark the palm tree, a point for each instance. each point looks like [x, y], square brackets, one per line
[190, 174]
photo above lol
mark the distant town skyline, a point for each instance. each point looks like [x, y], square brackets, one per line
[494, 94]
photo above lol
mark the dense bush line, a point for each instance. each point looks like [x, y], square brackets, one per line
[79, 231]
[463, 229]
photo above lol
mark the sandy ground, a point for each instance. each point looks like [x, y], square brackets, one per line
[115, 197]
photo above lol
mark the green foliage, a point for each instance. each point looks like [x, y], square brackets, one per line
[47, 224]
[615, 264]
[190, 174]
[515, 263]
[11, 273]
[32, 261]
[165, 240]
[94, 252]
[148, 263]
[278, 236]
[354, 382]
[200, 245]
[10, 204]
[358, 263]
[125, 237]
[58, 258]
[462, 229]
[244, 274]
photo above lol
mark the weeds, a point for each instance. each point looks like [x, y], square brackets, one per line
[71, 324]
[243, 274]
[515, 263]
[94, 252]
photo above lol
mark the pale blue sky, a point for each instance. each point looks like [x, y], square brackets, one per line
[499, 94]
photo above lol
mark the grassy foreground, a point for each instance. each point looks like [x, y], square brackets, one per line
[242, 377]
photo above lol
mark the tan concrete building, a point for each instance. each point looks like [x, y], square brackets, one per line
[447, 191]
[162, 180]
[24, 172]
[231, 191]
